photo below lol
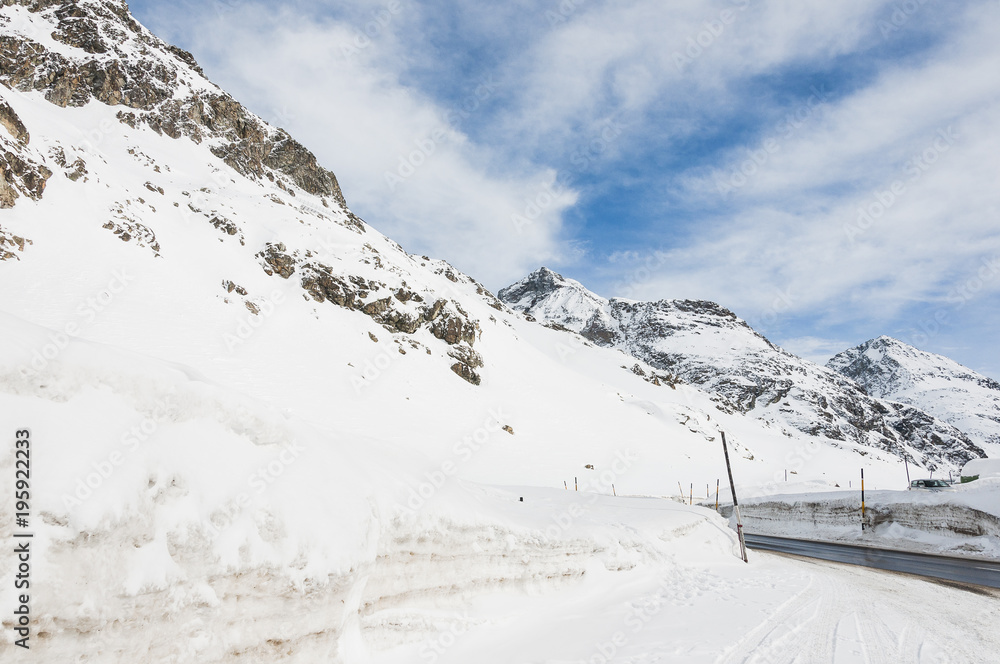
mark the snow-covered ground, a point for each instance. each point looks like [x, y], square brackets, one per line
[178, 520]
[227, 468]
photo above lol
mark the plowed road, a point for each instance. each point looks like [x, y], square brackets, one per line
[964, 570]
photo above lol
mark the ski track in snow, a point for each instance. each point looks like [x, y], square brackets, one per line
[847, 614]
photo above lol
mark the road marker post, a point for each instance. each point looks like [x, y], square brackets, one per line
[736, 505]
[862, 500]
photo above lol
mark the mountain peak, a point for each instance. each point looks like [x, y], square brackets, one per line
[709, 346]
[892, 369]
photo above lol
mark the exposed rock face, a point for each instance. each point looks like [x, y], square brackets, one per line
[890, 369]
[22, 170]
[12, 123]
[398, 310]
[708, 346]
[9, 243]
[104, 56]
[163, 87]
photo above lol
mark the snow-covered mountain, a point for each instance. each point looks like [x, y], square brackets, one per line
[893, 370]
[264, 431]
[708, 346]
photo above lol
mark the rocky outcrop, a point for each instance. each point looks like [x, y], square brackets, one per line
[12, 123]
[9, 243]
[22, 172]
[398, 310]
[164, 88]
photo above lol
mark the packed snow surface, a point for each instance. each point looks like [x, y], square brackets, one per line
[262, 431]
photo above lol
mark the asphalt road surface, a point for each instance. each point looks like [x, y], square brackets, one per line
[964, 570]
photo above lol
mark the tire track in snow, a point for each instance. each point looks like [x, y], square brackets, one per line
[846, 608]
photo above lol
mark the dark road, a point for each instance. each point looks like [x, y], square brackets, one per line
[964, 570]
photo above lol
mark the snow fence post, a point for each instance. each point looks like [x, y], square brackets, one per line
[862, 500]
[736, 505]
[716, 495]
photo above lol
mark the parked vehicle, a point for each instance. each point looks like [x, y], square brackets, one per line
[931, 485]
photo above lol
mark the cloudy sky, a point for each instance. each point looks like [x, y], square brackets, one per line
[828, 170]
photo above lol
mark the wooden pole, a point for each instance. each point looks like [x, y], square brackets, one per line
[691, 498]
[736, 505]
[716, 495]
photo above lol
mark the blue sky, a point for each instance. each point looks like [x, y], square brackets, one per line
[829, 171]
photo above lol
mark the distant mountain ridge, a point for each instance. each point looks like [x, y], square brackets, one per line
[891, 369]
[710, 347]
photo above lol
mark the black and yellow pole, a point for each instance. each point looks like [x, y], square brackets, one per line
[862, 500]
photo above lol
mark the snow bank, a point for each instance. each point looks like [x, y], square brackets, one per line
[982, 468]
[164, 505]
[963, 520]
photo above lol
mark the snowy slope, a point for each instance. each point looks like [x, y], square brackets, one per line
[264, 431]
[709, 346]
[890, 369]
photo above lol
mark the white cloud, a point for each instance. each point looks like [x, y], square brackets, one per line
[786, 247]
[402, 159]
[929, 128]
[815, 349]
